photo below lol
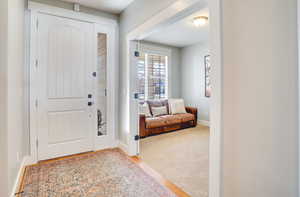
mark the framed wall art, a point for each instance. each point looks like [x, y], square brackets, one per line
[207, 76]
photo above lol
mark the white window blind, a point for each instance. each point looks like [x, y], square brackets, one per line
[152, 76]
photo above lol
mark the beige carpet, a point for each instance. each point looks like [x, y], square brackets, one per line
[181, 157]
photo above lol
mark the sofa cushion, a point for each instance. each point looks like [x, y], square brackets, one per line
[158, 103]
[185, 117]
[155, 122]
[176, 106]
[144, 109]
[159, 111]
[168, 120]
[171, 120]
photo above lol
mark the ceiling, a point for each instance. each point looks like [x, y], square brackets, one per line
[111, 6]
[182, 33]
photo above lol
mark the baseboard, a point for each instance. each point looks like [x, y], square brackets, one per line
[26, 161]
[124, 147]
[203, 122]
[29, 161]
[106, 144]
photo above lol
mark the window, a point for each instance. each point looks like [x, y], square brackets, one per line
[152, 76]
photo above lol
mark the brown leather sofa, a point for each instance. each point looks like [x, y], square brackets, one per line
[166, 123]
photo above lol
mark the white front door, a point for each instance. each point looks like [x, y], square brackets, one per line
[65, 63]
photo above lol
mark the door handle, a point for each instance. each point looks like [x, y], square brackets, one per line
[90, 103]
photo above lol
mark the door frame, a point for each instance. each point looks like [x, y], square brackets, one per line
[112, 28]
[298, 34]
[165, 17]
[108, 140]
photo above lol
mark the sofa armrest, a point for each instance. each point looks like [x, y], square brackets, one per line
[192, 110]
[142, 124]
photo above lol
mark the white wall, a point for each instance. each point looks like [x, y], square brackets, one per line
[134, 15]
[260, 98]
[18, 141]
[3, 98]
[174, 73]
[14, 141]
[193, 78]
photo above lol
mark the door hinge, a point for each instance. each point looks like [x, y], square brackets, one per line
[137, 137]
[37, 24]
[136, 95]
[37, 143]
[36, 63]
[137, 54]
[36, 103]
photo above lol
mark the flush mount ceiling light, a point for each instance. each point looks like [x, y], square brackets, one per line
[200, 20]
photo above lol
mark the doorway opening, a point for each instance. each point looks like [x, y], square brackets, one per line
[171, 66]
[165, 17]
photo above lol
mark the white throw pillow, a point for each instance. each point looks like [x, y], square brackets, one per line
[176, 106]
[144, 109]
[159, 111]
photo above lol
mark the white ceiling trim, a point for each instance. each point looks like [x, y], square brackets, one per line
[111, 6]
[47, 9]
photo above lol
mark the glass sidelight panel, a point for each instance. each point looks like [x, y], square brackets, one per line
[102, 84]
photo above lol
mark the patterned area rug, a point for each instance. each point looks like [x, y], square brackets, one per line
[108, 173]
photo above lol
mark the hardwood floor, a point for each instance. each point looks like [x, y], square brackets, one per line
[20, 183]
[179, 192]
[135, 159]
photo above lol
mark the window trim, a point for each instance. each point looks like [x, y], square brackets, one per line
[164, 51]
[146, 74]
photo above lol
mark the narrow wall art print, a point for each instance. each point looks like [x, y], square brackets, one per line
[207, 76]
